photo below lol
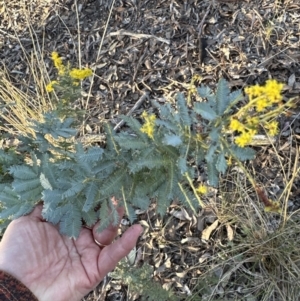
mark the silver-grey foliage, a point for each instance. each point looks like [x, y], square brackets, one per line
[76, 183]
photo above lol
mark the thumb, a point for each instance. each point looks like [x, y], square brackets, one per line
[112, 254]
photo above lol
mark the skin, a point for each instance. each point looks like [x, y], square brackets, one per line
[55, 267]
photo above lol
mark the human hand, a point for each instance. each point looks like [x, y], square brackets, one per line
[55, 267]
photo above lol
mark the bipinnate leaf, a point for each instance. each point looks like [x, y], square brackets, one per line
[213, 174]
[70, 224]
[23, 172]
[182, 165]
[54, 126]
[204, 91]
[105, 216]
[222, 96]
[141, 202]
[150, 163]
[11, 206]
[243, 153]
[183, 110]
[90, 217]
[91, 192]
[127, 141]
[221, 164]
[205, 110]
[210, 155]
[235, 96]
[173, 140]
[51, 198]
[92, 155]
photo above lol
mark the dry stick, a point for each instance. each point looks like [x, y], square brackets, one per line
[123, 32]
[200, 27]
[99, 50]
[136, 106]
[78, 32]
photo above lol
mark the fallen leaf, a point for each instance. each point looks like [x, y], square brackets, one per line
[207, 232]
[229, 232]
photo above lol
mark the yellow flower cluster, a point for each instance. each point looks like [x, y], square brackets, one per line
[202, 189]
[149, 125]
[80, 73]
[265, 96]
[247, 121]
[75, 74]
[49, 87]
[57, 61]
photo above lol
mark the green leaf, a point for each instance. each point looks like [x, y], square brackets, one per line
[213, 174]
[127, 141]
[211, 152]
[243, 153]
[71, 224]
[91, 192]
[73, 190]
[182, 165]
[93, 154]
[150, 163]
[215, 134]
[222, 96]
[104, 216]
[235, 96]
[12, 207]
[173, 140]
[90, 217]
[25, 185]
[204, 91]
[141, 202]
[205, 110]
[221, 164]
[23, 172]
[183, 110]
[51, 199]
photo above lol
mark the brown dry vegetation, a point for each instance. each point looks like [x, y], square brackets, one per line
[150, 49]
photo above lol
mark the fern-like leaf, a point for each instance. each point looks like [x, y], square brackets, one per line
[205, 110]
[212, 172]
[183, 110]
[243, 154]
[71, 224]
[91, 192]
[222, 96]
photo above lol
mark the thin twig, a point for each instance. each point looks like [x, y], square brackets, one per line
[123, 32]
[136, 106]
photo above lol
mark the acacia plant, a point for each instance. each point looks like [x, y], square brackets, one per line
[153, 160]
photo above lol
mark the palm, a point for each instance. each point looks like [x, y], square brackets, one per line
[55, 267]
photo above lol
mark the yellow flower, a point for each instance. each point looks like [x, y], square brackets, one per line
[272, 128]
[149, 125]
[273, 91]
[261, 104]
[254, 91]
[58, 62]
[80, 73]
[49, 87]
[252, 121]
[274, 206]
[244, 139]
[235, 125]
[202, 189]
